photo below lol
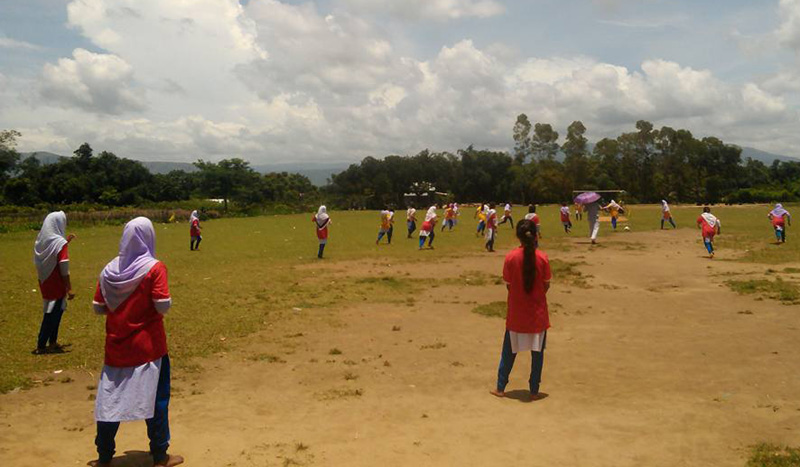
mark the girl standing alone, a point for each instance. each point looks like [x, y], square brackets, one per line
[322, 220]
[526, 272]
[194, 231]
[52, 266]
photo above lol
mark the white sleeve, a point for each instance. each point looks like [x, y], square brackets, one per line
[63, 268]
[163, 305]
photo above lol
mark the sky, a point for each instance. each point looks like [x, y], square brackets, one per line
[332, 81]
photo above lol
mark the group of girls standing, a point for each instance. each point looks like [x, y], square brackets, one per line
[132, 292]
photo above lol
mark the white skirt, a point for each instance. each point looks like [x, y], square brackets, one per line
[522, 342]
[127, 393]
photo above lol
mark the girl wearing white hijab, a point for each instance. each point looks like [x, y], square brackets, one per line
[194, 231]
[322, 221]
[133, 294]
[52, 266]
[710, 227]
[428, 229]
[666, 215]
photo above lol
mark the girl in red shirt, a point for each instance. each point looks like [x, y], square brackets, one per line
[526, 272]
[194, 231]
[322, 221]
[710, 227]
[779, 216]
[491, 228]
[133, 294]
[52, 266]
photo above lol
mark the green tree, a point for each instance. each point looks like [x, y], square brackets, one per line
[544, 143]
[522, 139]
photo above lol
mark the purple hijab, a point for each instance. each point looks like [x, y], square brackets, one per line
[123, 274]
[779, 211]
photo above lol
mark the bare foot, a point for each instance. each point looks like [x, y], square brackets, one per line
[497, 393]
[171, 461]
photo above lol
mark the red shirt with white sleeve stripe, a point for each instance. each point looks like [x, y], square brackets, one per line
[54, 288]
[135, 330]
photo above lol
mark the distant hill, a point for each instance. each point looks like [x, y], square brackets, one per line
[765, 157]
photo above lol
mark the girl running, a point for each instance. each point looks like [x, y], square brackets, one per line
[526, 272]
[411, 220]
[614, 208]
[666, 215]
[480, 214]
[386, 225]
[133, 294]
[52, 266]
[565, 221]
[449, 218]
[428, 228]
[322, 221]
[710, 226]
[507, 215]
[194, 231]
[779, 216]
[491, 228]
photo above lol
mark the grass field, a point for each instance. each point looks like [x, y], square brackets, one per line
[259, 277]
[242, 279]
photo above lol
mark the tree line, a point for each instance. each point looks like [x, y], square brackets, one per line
[649, 164]
[108, 180]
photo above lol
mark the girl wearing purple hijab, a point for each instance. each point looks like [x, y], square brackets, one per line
[133, 294]
[779, 216]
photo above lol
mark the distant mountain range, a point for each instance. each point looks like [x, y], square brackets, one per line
[319, 173]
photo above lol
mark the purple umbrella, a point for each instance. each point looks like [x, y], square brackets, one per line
[587, 198]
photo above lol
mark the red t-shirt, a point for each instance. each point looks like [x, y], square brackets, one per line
[564, 216]
[54, 288]
[527, 312]
[708, 231]
[322, 233]
[194, 231]
[778, 221]
[135, 330]
[491, 222]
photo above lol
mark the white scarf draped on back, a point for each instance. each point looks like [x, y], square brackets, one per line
[49, 242]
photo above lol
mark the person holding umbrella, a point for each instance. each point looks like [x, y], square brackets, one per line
[591, 204]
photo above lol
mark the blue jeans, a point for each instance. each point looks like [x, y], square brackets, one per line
[412, 226]
[709, 246]
[157, 427]
[507, 359]
[48, 331]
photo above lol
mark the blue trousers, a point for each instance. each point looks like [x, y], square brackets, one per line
[48, 331]
[157, 427]
[709, 246]
[412, 226]
[507, 359]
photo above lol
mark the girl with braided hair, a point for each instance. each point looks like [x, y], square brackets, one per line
[527, 275]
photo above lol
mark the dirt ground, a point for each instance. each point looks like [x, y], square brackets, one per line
[655, 363]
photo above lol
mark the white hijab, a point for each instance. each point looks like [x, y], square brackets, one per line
[431, 214]
[664, 206]
[322, 215]
[49, 242]
[710, 219]
[193, 217]
[123, 274]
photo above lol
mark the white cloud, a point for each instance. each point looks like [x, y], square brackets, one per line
[439, 10]
[8, 43]
[93, 82]
[277, 81]
[789, 31]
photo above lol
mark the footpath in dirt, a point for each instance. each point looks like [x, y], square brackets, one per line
[651, 361]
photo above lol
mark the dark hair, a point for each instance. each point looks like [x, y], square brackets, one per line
[531, 208]
[706, 209]
[526, 233]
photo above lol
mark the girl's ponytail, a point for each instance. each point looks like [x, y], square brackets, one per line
[526, 233]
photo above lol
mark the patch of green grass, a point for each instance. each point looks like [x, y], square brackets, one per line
[333, 394]
[772, 455]
[778, 289]
[492, 310]
[567, 272]
[262, 357]
[436, 346]
[334, 351]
